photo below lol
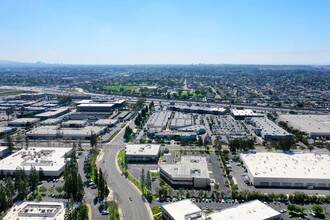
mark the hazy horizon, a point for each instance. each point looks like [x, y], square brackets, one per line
[171, 32]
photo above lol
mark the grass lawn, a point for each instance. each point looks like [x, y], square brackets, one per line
[122, 88]
[156, 210]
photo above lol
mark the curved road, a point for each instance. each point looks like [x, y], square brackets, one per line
[121, 187]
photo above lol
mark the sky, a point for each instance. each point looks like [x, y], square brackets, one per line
[166, 31]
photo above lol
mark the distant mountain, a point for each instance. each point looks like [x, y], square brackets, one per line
[9, 62]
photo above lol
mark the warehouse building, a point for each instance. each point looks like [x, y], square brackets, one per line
[182, 210]
[54, 113]
[44, 132]
[50, 160]
[241, 114]
[304, 170]
[6, 130]
[198, 109]
[313, 125]
[51, 121]
[268, 130]
[255, 210]
[170, 135]
[198, 129]
[106, 122]
[190, 172]
[95, 107]
[158, 120]
[23, 122]
[4, 151]
[36, 211]
[90, 116]
[142, 153]
[74, 124]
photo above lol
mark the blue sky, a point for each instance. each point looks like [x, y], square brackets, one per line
[166, 31]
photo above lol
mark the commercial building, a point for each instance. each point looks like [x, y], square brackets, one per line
[23, 122]
[90, 116]
[182, 210]
[198, 109]
[142, 153]
[50, 160]
[36, 211]
[190, 172]
[198, 129]
[4, 151]
[51, 121]
[241, 114]
[74, 124]
[53, 113]
[106, 122]
[123, 116]
[158, 120]
[53, 132]
[268, 130]
[170, 135]
[299, 170]
[255, 210]
[6, 130]
[95, 107]
[313, 125]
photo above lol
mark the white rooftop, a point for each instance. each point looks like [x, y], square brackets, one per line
[24, 120]
[269, 127]
[179, 210]
[189, 166]
[282, 165]
[96, 105]
[319, 124]
[255, 210]
[49, 159]
[142, 149]
[244, 112]
[36, 211]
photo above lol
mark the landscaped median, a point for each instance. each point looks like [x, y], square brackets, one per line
[121, 161]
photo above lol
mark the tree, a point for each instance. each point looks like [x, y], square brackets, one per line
[9, 143]
[151, 105]
[142, 179]
[148, 181]
[93, 140]
[128, 133]
[200, 141]
[21, 183]
[318, 209]
[9, 112]
[33, 178]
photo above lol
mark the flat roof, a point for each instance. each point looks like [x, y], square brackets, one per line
[179, 210]
[36, 211]
[51, 121]
[255, 210]
[5, 129]
[86, 131]
[47, 158]
[142, 149]
[158, 119]
[269, 127]
[318, 124]
[25, 120]
[2, 148]
[95, 105]
[52, 112]
[106, 121]
[76, 122]
[244, 112]
[189, 166]
[282, 165]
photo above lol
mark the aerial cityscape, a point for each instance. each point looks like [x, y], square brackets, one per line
[158, 110]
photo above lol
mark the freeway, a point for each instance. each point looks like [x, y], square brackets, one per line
[122, 188]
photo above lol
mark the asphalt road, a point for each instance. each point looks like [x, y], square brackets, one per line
[122, 188]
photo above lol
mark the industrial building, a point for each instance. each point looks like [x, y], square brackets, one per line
[106, 122]
[255, 210]
[36, 211]
[170, 135]
[241, 114]
[182, 210]
[313, 125]
[268, 130]
[4, 151]
[92, 116]
[95, 107]
[53, 113]
[50, 160]
[142, 153]
[74, 124]
[6, 130]
[124, 116]
[198, 129]
[198, 109]
[51, 121]
[23, 122]
[53, 132]
[158, 120]
[300, 170]
[190, 172]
